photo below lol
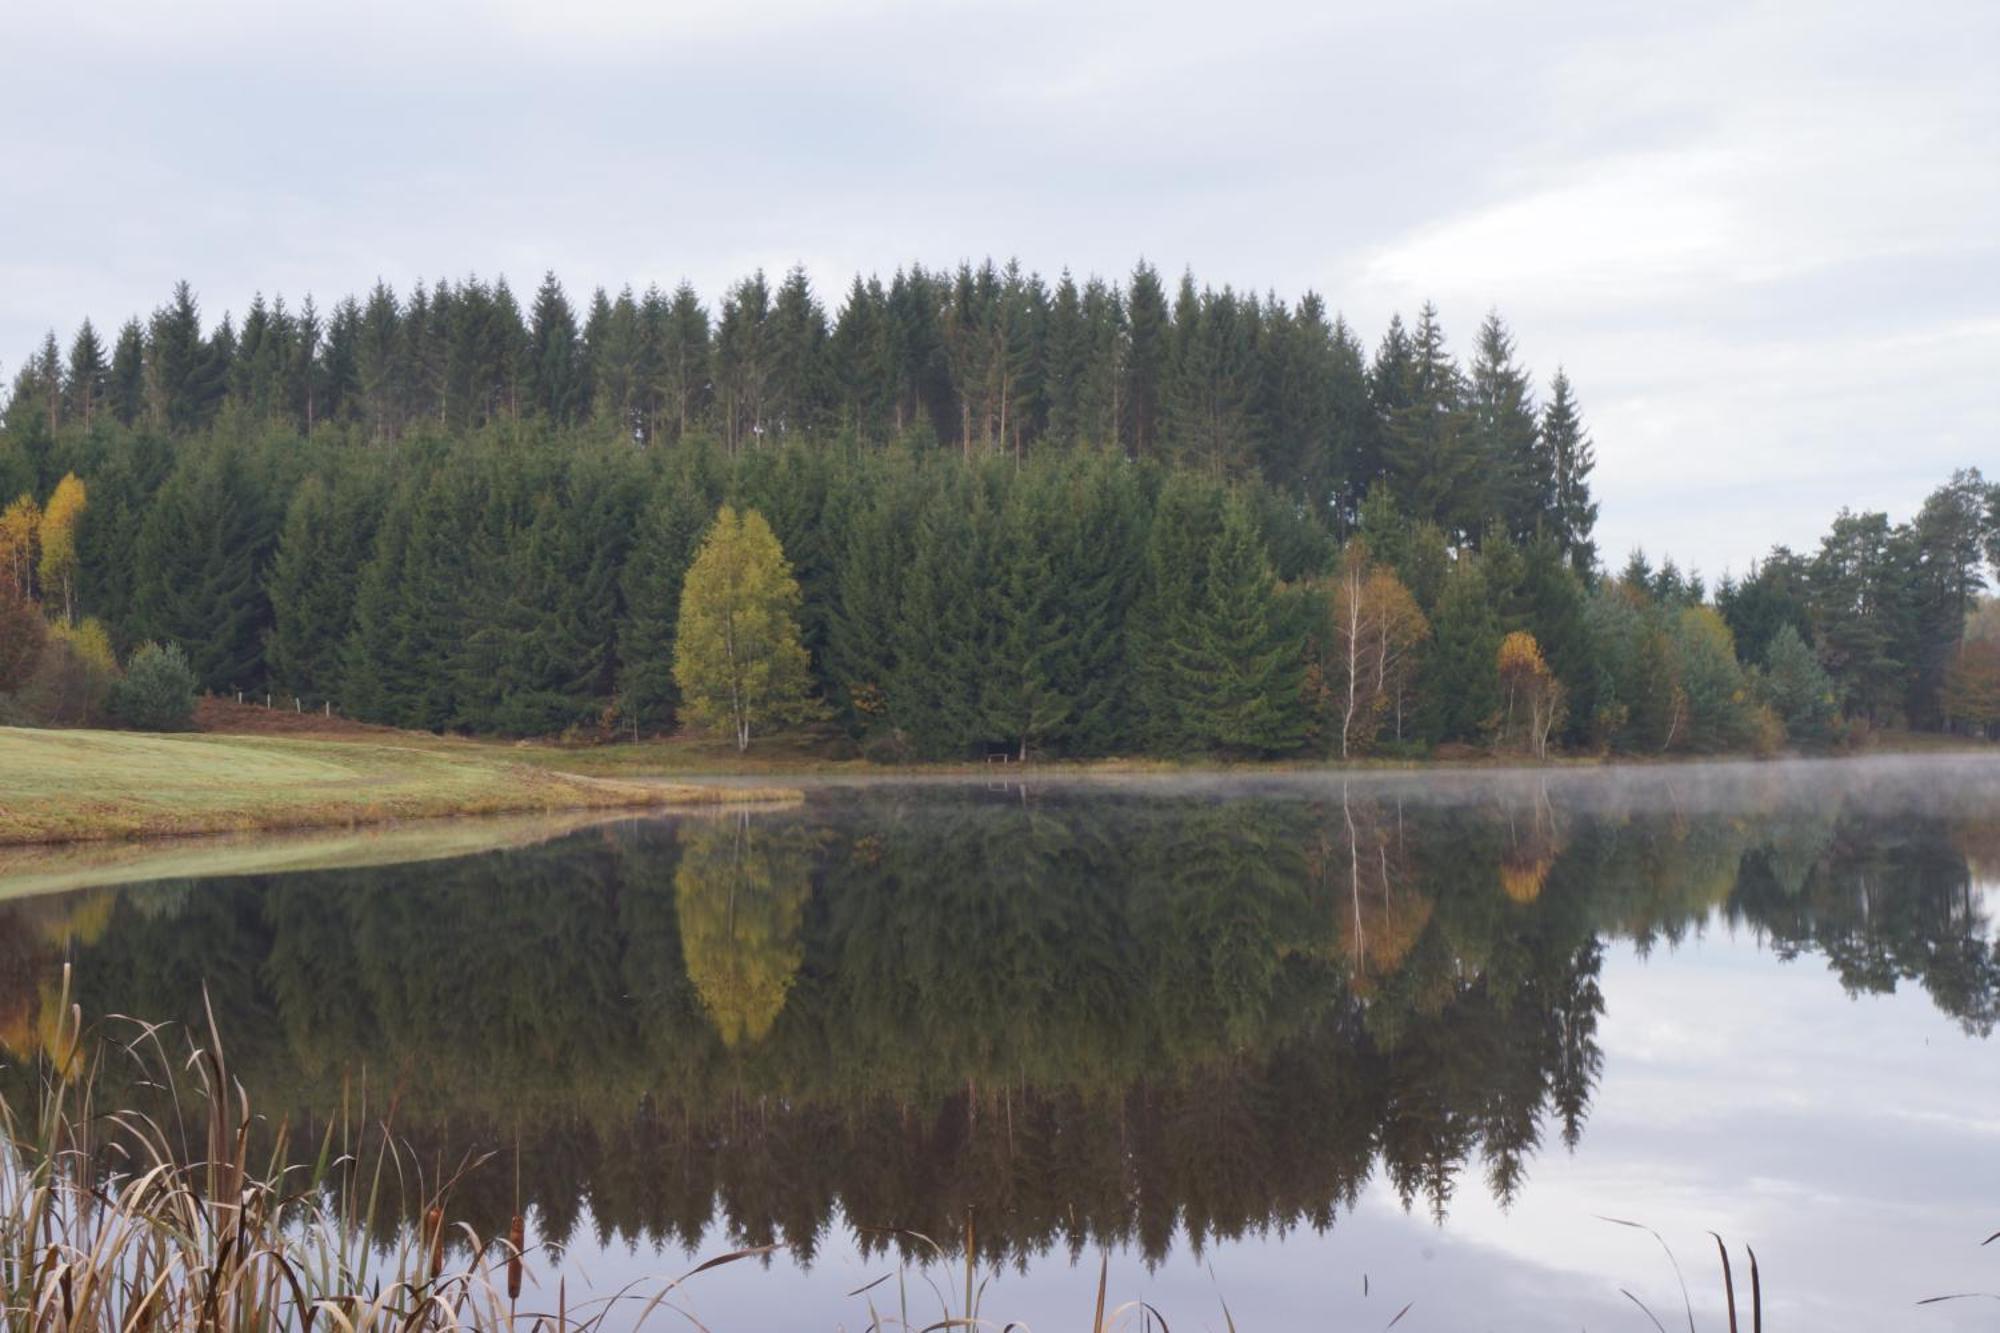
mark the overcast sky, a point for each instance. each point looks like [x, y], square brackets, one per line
[1764, 239]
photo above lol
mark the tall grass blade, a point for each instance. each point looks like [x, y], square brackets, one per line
[1756, 1294]
[1686, 1301]
[1643, 1310]
[1728, 1281]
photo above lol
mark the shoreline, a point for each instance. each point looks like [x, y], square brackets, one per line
[65, 787]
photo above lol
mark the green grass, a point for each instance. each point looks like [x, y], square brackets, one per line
[64, 786]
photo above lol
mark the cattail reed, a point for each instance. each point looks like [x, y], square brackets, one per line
[517, 1236]
[434, 1229]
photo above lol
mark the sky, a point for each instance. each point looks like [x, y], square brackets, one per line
[1764, 239]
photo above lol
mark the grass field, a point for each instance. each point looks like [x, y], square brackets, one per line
[61, 786]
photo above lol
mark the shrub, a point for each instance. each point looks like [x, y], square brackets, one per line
[22, 634]
[1798, 689]
[158, 691]
[72, 678]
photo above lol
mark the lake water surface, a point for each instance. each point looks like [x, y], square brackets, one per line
[1316, 1046]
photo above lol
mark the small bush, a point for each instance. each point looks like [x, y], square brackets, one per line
[890, 746]
[22, 634]
[73, 677]
[158, 691]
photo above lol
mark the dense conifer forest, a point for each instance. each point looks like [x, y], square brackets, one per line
[1078, 518]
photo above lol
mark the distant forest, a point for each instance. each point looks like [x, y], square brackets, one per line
[1069, 519]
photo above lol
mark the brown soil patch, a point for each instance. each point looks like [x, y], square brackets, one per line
[229, 718]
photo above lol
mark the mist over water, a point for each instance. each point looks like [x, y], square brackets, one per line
[1297, 1027]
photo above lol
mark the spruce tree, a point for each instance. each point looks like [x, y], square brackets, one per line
[86, 383]
[684, 364]
[1459, 686]
[670, 528]
[328, 532]
[1235, 668]
[1562, 474]
[1430, 455]
[127, 387]
[800, 379]
[1505, 434]
[1798, 688]
[555, 379]
[1148, 333]
[200, 554]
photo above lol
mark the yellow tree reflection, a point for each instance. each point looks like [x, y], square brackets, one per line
[1384, 916]
[741, 895]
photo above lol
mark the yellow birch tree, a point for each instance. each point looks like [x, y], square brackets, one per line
[60, 521]
[20, 536]
[738, 658]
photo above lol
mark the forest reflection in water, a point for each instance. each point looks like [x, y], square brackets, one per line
[1089, 1013]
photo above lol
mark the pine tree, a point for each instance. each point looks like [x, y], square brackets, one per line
[671, 526]
[866, 619]
[1065, 352]
[379, 363]
[200, 552]
[742, 360]
[1562, 475]
[336, 388]
[1149, 330]
[1505, 434]
[618, 369]
[1097, 559]
[127, 388]
[304, 377]
[941, 637]
[555, 379]
[1022, 696]
[1211, 386]
[1798, 688]
[1460, 682]
[86, 384]
[684, 384]
[1184, 526]
[1234, 668]
[328, 533]
[1431, 459]
[800, 378]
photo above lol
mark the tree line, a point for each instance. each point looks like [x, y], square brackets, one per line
[1069, 521]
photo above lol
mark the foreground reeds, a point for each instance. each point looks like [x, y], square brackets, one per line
[135, 1219]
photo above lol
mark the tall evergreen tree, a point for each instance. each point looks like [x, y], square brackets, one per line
[1562, 474]
[200, 554]
[1431, 459]
[1460, 687]
[1148, 333]
[1235, 670]
[127, 387]
[1505, 433]
[87, 380]
[555, 380]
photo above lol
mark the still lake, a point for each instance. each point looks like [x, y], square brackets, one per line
[1319, 1046]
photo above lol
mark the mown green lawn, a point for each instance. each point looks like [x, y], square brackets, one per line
[67, 785]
